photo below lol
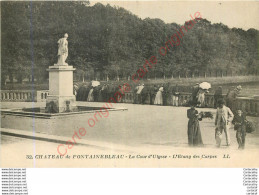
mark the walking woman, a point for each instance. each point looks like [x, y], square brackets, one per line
[201, 98]
[194, 133]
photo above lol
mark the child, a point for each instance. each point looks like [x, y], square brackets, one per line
[239, 122]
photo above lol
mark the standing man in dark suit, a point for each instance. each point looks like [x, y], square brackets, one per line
[152, 94]
[165, 94]
[144, 94]
[175, 92]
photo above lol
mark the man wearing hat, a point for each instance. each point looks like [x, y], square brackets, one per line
[231, 97]
[224, 116]
[144, 94]
[239, 87]
[135, 94]
[175, 95]
[139, 93]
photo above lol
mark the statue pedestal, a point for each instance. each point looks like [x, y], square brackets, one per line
[61, 97]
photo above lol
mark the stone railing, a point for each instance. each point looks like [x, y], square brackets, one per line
[17, 95]
[185, 97]
[23, 95]
[128, 97]
[250, 105]
[42, 95]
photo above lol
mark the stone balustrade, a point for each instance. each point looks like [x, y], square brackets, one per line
[42, 95]
[23, 95]
[128, 97]
[250, 105]
[17, 95]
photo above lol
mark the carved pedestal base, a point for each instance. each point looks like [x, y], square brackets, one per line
[61, 97]
[57, 104]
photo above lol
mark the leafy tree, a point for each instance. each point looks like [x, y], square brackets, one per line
[113, 43]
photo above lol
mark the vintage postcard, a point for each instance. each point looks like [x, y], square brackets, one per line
[129, 84]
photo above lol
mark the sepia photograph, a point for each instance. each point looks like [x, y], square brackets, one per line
[129, 84]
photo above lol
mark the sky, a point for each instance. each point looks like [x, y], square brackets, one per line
[239, 14]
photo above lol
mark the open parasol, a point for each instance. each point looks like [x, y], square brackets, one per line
[95, 83]
[205, 85]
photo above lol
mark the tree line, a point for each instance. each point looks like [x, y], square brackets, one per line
[111, 42]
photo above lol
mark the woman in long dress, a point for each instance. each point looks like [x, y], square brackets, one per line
[159, 97]
[90, 97]
[201, 98]
[194, 132]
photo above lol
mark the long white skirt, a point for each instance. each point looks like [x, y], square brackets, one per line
[159, 98]
[201, 98]
[90, 97]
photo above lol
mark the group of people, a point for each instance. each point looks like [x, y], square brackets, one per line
[100, 93]
[198, 95]
[231, 96]
[224, 119]
[160, 94]
[157, 94]
[151, 94]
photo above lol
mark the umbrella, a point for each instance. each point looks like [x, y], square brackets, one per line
[95, 83]
[205, 85]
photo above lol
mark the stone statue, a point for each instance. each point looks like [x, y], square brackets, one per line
[62, 50]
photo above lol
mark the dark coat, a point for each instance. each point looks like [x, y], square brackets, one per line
[175, 91]
[195, 91]
[239, 122]
[194, 133]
